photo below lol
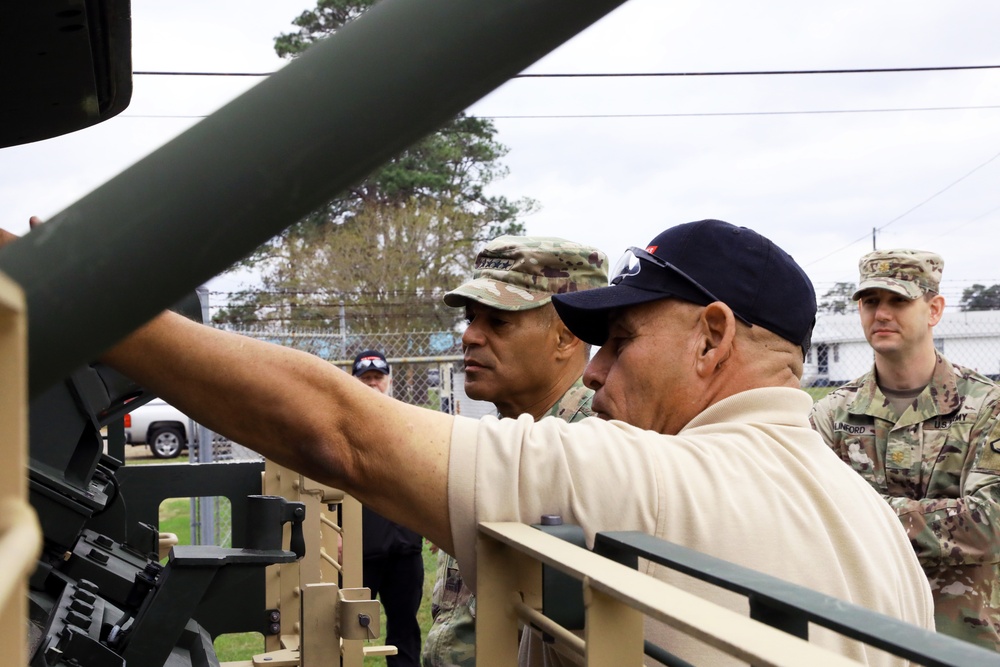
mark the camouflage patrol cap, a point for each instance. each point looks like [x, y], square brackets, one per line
[908, 272]
[523, 272]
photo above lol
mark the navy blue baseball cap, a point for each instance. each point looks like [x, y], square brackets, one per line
[370, 360]
[702, 262]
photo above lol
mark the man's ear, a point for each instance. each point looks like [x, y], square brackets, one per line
[716, 331]
[937, 309]
[566, 343]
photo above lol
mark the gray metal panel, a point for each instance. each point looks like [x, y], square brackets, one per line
[144, 487]
[238, 607]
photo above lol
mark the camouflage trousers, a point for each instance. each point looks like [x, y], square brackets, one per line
[451, 641]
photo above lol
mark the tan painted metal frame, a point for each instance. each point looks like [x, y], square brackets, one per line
[306, 592]
[617, 600]
[20, 534]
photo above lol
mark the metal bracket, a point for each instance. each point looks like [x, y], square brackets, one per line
[358, 614]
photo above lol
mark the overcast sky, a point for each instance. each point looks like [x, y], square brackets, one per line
[614, 161]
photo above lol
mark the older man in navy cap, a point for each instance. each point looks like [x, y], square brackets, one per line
[705, 439]
[393, 560]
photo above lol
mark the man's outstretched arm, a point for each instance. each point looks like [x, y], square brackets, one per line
[303, 413]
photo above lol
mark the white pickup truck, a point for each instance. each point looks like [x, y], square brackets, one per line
[161, 426]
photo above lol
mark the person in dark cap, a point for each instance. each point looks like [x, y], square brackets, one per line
[924, 432]
[393, 566]
[372, 368]
[703, 437]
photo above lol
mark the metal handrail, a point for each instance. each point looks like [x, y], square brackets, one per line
[614, 593]
[790, 607]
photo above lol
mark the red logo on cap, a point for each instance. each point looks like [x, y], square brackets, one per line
[651, 249]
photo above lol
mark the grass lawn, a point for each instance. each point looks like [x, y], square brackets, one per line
[175, 517]
[818, 392]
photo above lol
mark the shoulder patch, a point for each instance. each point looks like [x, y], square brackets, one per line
[989, 458]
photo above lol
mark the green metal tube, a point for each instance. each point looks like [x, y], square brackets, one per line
[120, 255]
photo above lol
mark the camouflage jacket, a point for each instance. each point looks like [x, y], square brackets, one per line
[938, 466]
[451, 641]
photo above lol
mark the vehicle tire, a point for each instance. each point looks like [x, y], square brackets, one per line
[166, 442]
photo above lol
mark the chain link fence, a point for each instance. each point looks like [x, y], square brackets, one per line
[840, 352]
[426, 370]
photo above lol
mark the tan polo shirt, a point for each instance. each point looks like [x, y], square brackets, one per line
[747, 480]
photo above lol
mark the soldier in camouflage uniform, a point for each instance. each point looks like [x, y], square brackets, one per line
[924, 432]
[521, 357]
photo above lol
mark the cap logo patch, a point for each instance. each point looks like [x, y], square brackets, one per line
[883, 267]
[494, 263]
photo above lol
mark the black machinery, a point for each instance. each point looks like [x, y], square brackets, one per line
[100, 595]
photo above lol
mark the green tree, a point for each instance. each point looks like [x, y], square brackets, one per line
[837, 300]
[385, 265]
[315, 24]
[390, 246]
[980, 297]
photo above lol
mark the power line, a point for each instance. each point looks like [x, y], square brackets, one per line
[881, 70]
[938, 193]
[908, 211]
[666, 115]
[968, 222]
[871, 70]
[741, 113]
[604, 75]
[624, 75]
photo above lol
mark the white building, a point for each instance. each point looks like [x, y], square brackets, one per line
[840, 352]
[466, 406]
